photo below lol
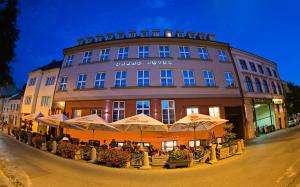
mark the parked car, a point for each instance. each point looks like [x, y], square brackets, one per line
[292, 122]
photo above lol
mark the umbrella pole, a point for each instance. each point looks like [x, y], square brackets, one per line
[93, 134]
[195, 146]
[141, 136]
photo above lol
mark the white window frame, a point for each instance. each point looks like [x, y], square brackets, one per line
[45, 100]
[32, 81]
[50, 81]
[222, 55]
[184, 52]
[81, 82]
[166, 78]
[143, 78]
[118, 109]
[87, 57]
[192, 110]
[143, 51]
[120, 79]
[123, 54]
[63, 83]
[69, 60]
[169, 121]
[229, 79]
[163, 145]
[164, 51]
[191, 80]
[76, 113]
[143, 109]
[104, 55]
[209, 80]
[203, 53]
[97, 111]
[100, 81]
[214, 111]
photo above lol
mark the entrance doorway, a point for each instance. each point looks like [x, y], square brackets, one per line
[264, 118]
[235, 116]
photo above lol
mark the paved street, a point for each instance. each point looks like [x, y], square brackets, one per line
[270, 160]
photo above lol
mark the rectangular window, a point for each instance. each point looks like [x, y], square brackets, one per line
[166, 78]
[143, 51]
[275, 74]
[188, 78]
[184, 52]
[77, 113]
[253, 67]
[214, 111]
[50, 81]
[81, 82]
[123, 53]
[120, 80]
[164, 51]
[32, 82]
[143, 78]
[269, 72]
[99, 80]
[27, 100]
[63, 83]
[203, 54]
[69, 60]
[222, 56]
[229, 79]
[118, 110]
[143, 107]
[243, 64]
[192, 110]
[168, 145]
[104, 55]
[260, 69]
[87, 57]
[209, 79]
[168, 111]
[45, 101]
[96, 111]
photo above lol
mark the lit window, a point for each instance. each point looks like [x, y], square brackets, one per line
[203, 54]
[143, 107]
[168, 111]
[120, 80]
[69, 60]
[99, 80]
[184, 52]
[243, 64]
[274, 88]
[192, 110]
[87, 57]
[266, 87]
[191, 143]
[118, 110]
[32, 82]
[96, 111]
[81, 82]
[50, 81]
[258, 85]
[214, 112]
[63, 83]
[260, 69]
[188, 78]
[45, 101]
[249, 84]
[77, 113]
[143, 78]
[143, 51]
[222, 56]
[229, 79]
[164, 51]
[104, 55]
[27, 100]
[209, 79]
[168, 145]
[166, 78]
[123, 53]
[253, 67]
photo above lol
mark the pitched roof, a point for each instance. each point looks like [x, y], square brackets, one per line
[51, 65]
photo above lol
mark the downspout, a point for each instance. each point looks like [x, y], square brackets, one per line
[241, 93]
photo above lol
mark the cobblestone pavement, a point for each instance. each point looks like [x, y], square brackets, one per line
[270, 160]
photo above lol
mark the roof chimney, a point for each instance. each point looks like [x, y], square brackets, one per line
[99, 37]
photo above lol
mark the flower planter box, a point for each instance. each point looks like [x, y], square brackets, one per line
[233, 150]
[224, 152]
[180, 163]
[159, 160]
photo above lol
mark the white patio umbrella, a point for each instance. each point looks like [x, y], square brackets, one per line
[53, 120]
[196, 122]
[91, 122]
[140, 122]
[31, 117]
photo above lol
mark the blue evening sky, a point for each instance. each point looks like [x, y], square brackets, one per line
[269, 28]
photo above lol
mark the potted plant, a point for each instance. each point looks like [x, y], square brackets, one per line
[228, 146]
[179, 158]
[136, 158]
[114, 158]
[67, 150]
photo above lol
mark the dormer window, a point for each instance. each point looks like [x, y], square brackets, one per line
[89, 39]
[144, 33]
[191, 35]
[132, 34]
[99, 37]
[109, 36]
[168, 33]
[156, 33]
[121, 35]
[179, 34]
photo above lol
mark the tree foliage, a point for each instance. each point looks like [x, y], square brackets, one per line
[9, 34]
[293, 98]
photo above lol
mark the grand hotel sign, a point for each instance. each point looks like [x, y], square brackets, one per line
[147, 62]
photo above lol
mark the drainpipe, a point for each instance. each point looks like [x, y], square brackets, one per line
[241, 91]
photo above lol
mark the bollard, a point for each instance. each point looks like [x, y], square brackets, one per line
[44, 146]
[93, 156]
[29, 138]
[146, 164]
[213, 154]
[191, 159]
[239, 148]
[242, 144]
[54, 147]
